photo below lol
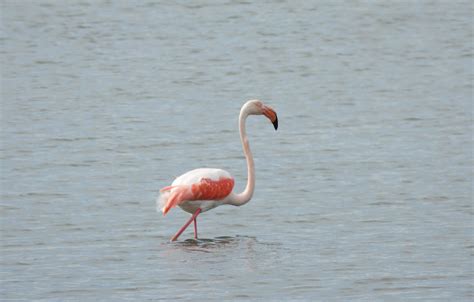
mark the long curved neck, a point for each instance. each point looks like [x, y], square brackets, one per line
[246, 195]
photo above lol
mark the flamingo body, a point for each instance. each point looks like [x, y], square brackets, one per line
[203, 188]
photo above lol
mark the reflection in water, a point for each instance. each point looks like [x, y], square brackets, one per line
[216, 244]
[208, 245]
[247, 252]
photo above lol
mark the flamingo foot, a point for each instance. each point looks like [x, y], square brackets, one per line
[181, 230]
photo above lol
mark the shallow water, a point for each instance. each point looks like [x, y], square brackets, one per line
[363, 193]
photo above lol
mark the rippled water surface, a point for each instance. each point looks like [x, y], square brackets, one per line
[363, 193]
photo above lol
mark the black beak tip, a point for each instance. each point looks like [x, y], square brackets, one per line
[275, 123]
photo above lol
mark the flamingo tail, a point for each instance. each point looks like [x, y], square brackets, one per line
[172, 196]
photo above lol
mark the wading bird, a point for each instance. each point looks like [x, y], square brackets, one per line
[203, 189]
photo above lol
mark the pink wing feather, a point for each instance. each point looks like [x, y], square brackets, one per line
[206, 188]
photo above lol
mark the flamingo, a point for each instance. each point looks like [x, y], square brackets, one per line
[203, 189]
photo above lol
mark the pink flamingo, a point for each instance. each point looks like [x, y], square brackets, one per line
[201, 190]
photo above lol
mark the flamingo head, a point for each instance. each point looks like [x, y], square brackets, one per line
[259, 108]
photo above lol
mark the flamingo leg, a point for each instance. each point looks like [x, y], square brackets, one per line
[195, 229]
[181, 230]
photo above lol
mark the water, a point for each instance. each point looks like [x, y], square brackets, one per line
[363, 193]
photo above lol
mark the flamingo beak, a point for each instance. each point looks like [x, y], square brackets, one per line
[271, 115]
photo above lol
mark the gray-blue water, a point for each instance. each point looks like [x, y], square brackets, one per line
[363, 193]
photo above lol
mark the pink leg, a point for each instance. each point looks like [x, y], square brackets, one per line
[195, 229]
[193, 218]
